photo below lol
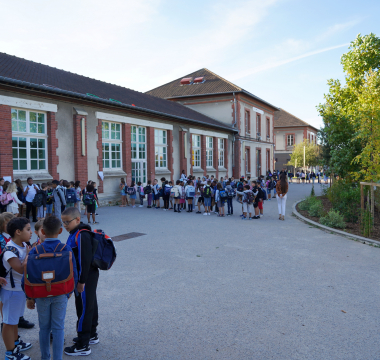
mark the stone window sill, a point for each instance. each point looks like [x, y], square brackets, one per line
[114, 173]
[34, 175]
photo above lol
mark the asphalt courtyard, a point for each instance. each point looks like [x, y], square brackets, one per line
[203, 287]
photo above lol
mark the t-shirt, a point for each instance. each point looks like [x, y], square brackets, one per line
[78, 190]
[31, 193]
[16, 276]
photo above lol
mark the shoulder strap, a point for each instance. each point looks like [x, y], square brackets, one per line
[41, 247]
[79, 231]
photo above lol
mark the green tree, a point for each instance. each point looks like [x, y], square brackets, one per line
[311, 154]
[350, 138]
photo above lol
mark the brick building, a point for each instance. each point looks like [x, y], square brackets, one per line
[56, 124]
[219, 99]
[290, 131]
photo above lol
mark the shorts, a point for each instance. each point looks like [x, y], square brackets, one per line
[255, 205]
[269, 191]
[260, 205]
[247, 208]
[200, 199]
[220, 203]
[49, 208]
[91, 209]
[132, 196]
[123, 193]
[207, 201]
[13, 306]
[156, 196]
[189, 198]
[40, 212]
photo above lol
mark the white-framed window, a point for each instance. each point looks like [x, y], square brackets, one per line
[29, 140]
[196, 151]
[138, 142]
[160, 148]
[221, 152]
[209, 151]
[290, 140]
[111, 145]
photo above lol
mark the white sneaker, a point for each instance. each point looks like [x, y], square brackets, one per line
[209, 213]
[141, 205]
[205, 213]
[261, 215]
[133, 206]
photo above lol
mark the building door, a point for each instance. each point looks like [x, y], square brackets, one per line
[139, 161]
[258, 162]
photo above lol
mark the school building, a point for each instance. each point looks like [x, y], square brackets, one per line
[219, 99]
[290, 131]
[56, 124]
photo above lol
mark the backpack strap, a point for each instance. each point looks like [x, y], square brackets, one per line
[15, 251]
[40, 247]
[79, 231]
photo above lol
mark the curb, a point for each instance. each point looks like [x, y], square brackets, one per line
[362, 239]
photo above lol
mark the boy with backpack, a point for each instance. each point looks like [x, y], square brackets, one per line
[148, 191]
[40, 200]
[207, 192]
[141, 192]
[230, 195]
[71, 195]
[248, 197]
[89, 200]
[84, 246]
[51, 309]
[12, 296]
[58, 198]
[49, 199]
[176, 192]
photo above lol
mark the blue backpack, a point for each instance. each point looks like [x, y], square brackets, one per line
[105, 254]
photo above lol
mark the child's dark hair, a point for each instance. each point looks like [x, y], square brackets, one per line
[163, 179]
[43, 186]
[90, 188]
[247, 187]
[51, 226]
[16, 224]
[178, 182]
[228, 182]
[132, 183]
[77, 183]
[72, 183]
[139, 183]
[149, 182]
[219, 186]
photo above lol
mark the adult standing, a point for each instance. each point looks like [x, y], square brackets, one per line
[20, 195]
[282, 190]
[183, 176]
[30, 192]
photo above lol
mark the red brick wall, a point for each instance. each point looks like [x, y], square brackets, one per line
[170, 153]
[99, 158]
[215, 159]
[203, 154]
[127, 156]
[80, 161]
[226, 155]
[52, 145]
[6, 156]
[151, 161]
[182, 159]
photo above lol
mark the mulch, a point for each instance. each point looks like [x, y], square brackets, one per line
[352, 228]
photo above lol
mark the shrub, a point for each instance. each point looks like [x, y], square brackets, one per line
[307, 203]
[312, 191]
[316, 209]
[333, 219]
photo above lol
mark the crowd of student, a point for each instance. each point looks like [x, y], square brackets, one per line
[208, 193]
[14, 264]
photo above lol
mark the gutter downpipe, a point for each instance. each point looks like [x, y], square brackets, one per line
[233, 126]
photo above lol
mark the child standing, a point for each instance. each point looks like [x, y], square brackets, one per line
[49, 199]
[149, 192]
[182, 199]
[89, 201]
[83, 246]
[12, 296]
[219, 200]
[132, 193]
[58, 198]
[230, 195]
[123, 194]
[190, 194]
[156, 194]
[78, 192]
[177, 191]
[140, 189]
[51, 310]
[71, 195]
[13, 206]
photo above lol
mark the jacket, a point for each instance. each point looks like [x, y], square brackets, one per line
[83, 251]
[49, 246]
[59, 196]
[245, 192]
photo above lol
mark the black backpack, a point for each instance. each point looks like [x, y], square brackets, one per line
[207, 192]
[147, 190]
[89, 198]
[249, 197]
[38, 199]
[240, 187]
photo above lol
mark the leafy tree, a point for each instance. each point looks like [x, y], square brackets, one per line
[350, 138]
[311, 154]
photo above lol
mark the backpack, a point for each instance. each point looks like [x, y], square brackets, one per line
[147, 190]
[6, 199]
[71, 196]
[38, 199]
[174, 191]
[49, 193]
[207, 192]
[167, 190]
[249, 197]
[89, 198]
[3, 270]
[240, 187]
[105, 253]
[131, 190]
[230, 192]
[223, 195]
[265, 195]
[49, 274]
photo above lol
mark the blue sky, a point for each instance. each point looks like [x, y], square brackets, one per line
[280, 50]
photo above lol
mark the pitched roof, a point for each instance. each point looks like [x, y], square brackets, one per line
[283, 118]
[213, 84]
[14, 70]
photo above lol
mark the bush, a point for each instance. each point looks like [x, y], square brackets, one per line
[307, 203]
[333, 219]
[312, 191]
[345, 198]
[316, 209]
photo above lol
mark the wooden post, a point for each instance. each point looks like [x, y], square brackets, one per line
[361, 196]
[373, 204]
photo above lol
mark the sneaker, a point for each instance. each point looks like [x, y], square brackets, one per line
[175, 211]
[205, 213]
[96, 214]
[133, 206]
[24, 324]
[198, 212]
[244, 218]
[209, 214]
[93, 340]
[96, 222]
[141, 205]
[15, 355]
[76, 350]
[22, 346]
[261, 215]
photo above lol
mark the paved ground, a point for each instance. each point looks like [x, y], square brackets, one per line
[197, 287]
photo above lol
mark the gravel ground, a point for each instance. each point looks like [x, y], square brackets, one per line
[203, 287]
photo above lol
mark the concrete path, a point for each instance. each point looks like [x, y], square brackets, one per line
[202, 287]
